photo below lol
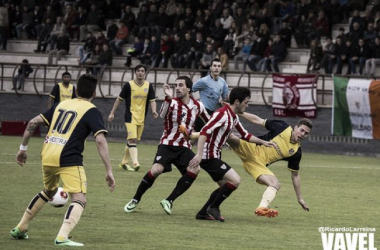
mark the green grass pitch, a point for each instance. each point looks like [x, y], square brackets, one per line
[341, 191]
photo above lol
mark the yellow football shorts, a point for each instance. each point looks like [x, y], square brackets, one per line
[254, 160]
[74, 178]
[134, 131]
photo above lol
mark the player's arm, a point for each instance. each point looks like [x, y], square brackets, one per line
[116, 104]
[168, 98]
[101, 144]
[199, 85]
[50, 102]
[32, 126]
[54, 94]
[297, 188]
[252, 118]
[153, 107]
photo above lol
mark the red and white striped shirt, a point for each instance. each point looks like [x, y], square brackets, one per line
[217, 130]
[175, 112]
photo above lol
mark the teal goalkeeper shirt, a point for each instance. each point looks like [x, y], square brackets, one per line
[211, 90]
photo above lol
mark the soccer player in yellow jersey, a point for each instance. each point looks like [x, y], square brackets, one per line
[62, 91]
[138, 95]
[70, 122]
[256, 158]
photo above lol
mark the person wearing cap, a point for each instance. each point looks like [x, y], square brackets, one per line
[62, 91]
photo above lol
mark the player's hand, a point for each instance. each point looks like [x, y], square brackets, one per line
[21, 157]
[168, 91]
[268, 144]
[110, 181]
[303, 204]
[195, 161]
[155, 114]
[110, 117]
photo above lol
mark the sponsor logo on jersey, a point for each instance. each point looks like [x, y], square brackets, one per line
[56, 140]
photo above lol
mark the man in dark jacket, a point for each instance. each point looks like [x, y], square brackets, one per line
[63, 47]
[359, 56]
[105, 59]
[278, 53]
[44, 35]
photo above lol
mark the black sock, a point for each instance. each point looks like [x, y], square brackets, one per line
[210, 200]
[223, 194]
[145, 184]
[183, 184]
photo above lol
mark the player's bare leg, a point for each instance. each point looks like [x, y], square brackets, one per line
[273, 185]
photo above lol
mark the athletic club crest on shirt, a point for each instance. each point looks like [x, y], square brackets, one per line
[158, 158]
[146, 90]
[291, 151]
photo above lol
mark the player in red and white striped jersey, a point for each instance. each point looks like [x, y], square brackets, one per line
[174, 148]
[211, 140]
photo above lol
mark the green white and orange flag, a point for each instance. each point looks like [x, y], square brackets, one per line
[356, 110]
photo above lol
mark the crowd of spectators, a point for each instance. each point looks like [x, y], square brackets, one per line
[188, 33]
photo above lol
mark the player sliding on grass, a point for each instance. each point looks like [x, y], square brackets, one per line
[70, 122]
[210, 142]
[173, 148]
[256, 158]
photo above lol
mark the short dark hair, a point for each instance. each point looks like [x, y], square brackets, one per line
[66, 74]
[239, 93]
[306, 122]
[188, 82]
[140, 66]
[215, 60]
[86, 85]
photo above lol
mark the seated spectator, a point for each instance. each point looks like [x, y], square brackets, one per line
[356, 18]
[278, 53]
[70, 19]
[342, 35]
[49, 13]
[144, 56]
[137, 48]
[101, 39]
[301, 32]
[94, 58]
[128, 17]
[257, 52]
[176, 58]
[112, 29]
[355, 33]
[370, 34]
[26, 24]
[63, 48]
[4, 25]
[263, 63]
[328, 56]
[226, 20]
[166, 48]
[341, 53]
[229, 41]
[105, 59]
[23, 72]
[37, 20]
[151, 53]
[206, 60]
[199, 47]
[316, 54]
[59, 27]
[286, 34]
[15, 20]
[93, 22]
[188, 51]
[223, 57]
[86, 50]
[374, 58]
[120, 38]
[43, 40]
[359, 56]
[243, 54]
[320, 28]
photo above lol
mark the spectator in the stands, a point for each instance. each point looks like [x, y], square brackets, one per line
[163, 20]
[373, 59]
[176, 58]
[223, 57]
[166, 48]
[112, 29]
[286, 11]
[94, 58]
[342, 35]
[4, 24]
[188, 51]
[69, 20]
[301, 31]
[137, 48]
[199, 47]
[239, 18]
[63, 47]
[188, 17]
[316, 53]
[229, 41]
[59, 27]
[264, 32]
[152, 22]
[141, 21]
[370, 34]
[128, 17]
[328, 56]
[257, 52]
[217, 33]
[37, 19]
[105, 59]
[111, 9]
[278, 53]
[320, 27]
[101, 39]
[263, 63]
[48, 13]
[23, 72]
[243, 54]
[356, 18]
[355, 33]
[120, 38]
[86, 50]
[93, 22]
[44, 36]
[286, 34]
[359, 56]
[206, 60]
[149, 57]
[226, 20]
[341, 54]
[27, 23]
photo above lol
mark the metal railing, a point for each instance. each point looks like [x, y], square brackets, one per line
[322, 92]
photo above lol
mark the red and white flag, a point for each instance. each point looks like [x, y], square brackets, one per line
[294, 95]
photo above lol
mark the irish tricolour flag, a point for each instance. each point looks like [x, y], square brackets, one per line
[356, 110]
